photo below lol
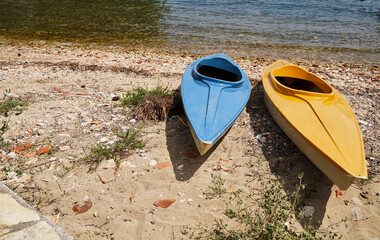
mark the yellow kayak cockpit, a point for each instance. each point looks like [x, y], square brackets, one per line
[292, 79]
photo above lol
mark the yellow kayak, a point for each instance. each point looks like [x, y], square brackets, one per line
[317, 119]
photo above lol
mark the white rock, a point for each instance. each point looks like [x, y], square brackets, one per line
[13, 95]
[111, 142]
[308, 211]
[64, 148]
[41, 132]
[103, 140]
[153, 162]
[12, 155]
[357, 214]
[11, 175]
[132, 121]
[356, 201]
[180, 167]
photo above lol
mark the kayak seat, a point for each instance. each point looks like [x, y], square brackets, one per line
[220, 69]
[299, 84]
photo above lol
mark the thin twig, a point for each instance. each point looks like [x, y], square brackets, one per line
[50, 161]
[182, 121]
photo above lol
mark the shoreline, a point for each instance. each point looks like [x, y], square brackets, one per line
[368, 57]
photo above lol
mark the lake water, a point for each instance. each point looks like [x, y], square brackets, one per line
[350, 24]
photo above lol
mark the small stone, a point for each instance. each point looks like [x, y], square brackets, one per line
[40, 124]
[115, 98]
[308, 211]
[64, 148]
[378, 194]
[165, 203]
[180, 167]
[12, 155]
[132, 121]
[41, 132]
[95, 214]
[357, 214]
[153, 162]
[103, 140]
[84, 208]
[11, 175]
[12, 95]
[107, 176]
[356, 201]
[162, 165]
[44, 150]
[110, 163]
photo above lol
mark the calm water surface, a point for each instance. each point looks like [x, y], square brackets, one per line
[312, 23]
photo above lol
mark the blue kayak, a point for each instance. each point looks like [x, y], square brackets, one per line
[214, 92]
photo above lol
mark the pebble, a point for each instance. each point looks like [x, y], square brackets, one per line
[107, 176]
[356, 201]
[308, 211]
[153, 162]
[103, 140]
[357, 214]
[12, 95]
[64, 148]
[41, 132]
[12, 155]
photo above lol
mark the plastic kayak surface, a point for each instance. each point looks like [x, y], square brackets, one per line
[318, 119]
[214, 92]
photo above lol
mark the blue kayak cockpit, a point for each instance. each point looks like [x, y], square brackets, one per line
[217, 69]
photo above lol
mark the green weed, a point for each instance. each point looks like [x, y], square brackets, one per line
[8, 104]
[137, 94]
[217, 190]
[269, 216]
[126, 141]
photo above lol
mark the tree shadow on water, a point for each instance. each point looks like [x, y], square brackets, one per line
[285, 159]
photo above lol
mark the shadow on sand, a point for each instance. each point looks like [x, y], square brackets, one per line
[183, 153]
[182, 150]
[285, 160]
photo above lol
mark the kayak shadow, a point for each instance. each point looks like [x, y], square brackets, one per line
[285, 160]
[183, 153]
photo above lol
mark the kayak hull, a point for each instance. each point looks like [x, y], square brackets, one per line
[342, 180]
[214, 92]
[319, 121]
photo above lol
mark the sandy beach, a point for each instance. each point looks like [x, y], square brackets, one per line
[72, 104]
